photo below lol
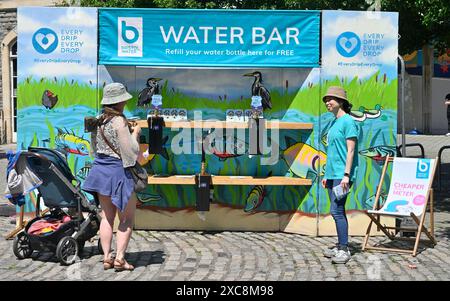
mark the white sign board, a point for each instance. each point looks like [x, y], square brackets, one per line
[411, 180]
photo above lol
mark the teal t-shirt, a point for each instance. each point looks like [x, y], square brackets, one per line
[341, 129]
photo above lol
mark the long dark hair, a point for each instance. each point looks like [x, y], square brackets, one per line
[346, 105]
[110, 111]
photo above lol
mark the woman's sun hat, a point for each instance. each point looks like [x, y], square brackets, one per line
[336, 91]
[115, 93]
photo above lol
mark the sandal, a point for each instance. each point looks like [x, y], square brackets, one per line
[108, 263]
[122, 265]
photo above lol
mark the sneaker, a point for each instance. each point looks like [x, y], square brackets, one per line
[342, 257]
[331, 252]
[448, 134]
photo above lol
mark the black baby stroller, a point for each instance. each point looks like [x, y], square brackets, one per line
[66, 203]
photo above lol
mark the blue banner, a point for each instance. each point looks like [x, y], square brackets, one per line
[222, 38]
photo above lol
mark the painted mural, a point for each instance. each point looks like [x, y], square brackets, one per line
[57, 84]
[358, 53]
[441, 63]
[209, 93]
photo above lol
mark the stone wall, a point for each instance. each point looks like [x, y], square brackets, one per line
[8, 21]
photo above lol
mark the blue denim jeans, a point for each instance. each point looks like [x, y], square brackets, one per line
[337, 210]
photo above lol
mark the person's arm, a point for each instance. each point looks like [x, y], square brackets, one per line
[93, 149]
[351, 142]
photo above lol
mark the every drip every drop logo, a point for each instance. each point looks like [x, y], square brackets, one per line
[348, 44]
[45, 40]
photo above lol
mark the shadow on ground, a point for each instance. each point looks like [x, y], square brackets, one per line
[138, 259]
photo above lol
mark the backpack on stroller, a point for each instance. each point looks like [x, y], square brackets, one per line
[67, 229]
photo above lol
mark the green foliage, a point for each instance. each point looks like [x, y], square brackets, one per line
[374, 91]
[29, 92]
[421, 22]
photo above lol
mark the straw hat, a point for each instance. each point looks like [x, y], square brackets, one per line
[336, 91]
[115, 93]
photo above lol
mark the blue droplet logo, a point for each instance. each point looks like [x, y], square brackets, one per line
[45, 40]
[348, 44]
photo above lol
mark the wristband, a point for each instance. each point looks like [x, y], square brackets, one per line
[347, 174]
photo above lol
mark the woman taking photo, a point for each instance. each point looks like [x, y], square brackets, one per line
[116, 147]
[342, 160]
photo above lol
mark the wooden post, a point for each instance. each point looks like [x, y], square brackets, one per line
[431, 213]
[366, 239]
[380, 186]
[419, 232]
[19, 227]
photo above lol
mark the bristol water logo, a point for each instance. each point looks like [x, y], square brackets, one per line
[129, 32]
[45, 40]
[348, 44]
[423, 169]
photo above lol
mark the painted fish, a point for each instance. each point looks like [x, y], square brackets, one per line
[72, 143]
[255, 197]
[144, 157]
[379, 153]
[368, 204]
[148, 197]
[237, 146]
[303, 159]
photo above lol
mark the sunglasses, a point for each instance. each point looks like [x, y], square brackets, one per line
[327, 99]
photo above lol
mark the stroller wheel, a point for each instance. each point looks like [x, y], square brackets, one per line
[22, 246]
[67, 250]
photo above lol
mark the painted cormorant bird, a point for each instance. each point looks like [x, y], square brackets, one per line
[145, 96]
[258, 89]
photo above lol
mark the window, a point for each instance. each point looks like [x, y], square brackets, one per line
[13, 73]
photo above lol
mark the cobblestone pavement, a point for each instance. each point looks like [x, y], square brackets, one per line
[243, 256]
[228, 256]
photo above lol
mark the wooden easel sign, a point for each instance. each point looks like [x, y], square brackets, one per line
[409, 195]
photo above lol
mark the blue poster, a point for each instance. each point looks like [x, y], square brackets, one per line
[209, 38]
[57, 82]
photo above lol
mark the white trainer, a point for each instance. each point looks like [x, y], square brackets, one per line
[331, 252]
[342, 257]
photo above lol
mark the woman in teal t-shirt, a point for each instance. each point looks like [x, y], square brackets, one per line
[342, 159]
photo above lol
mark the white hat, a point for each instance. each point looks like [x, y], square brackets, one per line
[115, 93]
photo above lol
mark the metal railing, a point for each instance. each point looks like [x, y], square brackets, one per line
[422, 150]
[439, 168]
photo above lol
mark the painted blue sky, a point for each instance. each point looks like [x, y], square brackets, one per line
[63, 21]
[363, 24]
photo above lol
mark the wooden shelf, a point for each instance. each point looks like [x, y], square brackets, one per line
[230, 124]
[231, 180]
